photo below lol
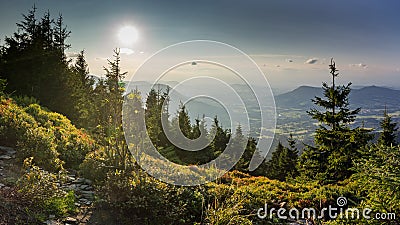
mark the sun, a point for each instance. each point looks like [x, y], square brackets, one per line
[127, 35]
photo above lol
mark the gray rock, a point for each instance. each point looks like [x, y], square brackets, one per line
[83, 186]
[6, 157]
[88, 188]
[71, 178]
[7, 149]
[79, 181]
[88, 194]
[88, 182]
[70, 220]
[83, 200]
[51, 222]
[8, 152]
[72, 187]
[2, 185]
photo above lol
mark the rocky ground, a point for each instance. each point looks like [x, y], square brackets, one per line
[85, 195]
[12, 208]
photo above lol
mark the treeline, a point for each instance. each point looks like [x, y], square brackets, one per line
[34, 63]
[156, 114]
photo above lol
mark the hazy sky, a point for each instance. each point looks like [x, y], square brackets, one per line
[291, 41]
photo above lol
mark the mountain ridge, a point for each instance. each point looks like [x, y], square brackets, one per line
[365, 97]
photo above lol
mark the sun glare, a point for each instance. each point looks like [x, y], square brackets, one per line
[127, 35]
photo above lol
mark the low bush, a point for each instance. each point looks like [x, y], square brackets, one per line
[71, 143]
[19, 129]
[48, 137]
[42, 191]
[140, 199]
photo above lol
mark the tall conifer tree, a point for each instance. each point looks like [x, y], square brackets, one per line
[389, 129]
[337, 144]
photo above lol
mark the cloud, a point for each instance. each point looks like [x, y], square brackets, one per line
[360, 65]
[72, 54]
[289, 60]
[311, 61]
[100, 59]
[126, 51]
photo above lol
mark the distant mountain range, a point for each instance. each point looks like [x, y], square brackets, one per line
[371, 97]
[291, 107]
[368, 98]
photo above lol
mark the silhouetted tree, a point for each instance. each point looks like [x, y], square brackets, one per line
[61, 33]
[35, 65]
[83, 92]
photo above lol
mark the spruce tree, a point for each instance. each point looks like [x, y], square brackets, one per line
[184, 121]
[221, 137]
[205, 155]
[238, 143]
[35, 67]
[291, 157]
[283, 161]
[153, 117]
[115, 140]
[389, 129]
[133, 121]
[272, 166]
[82, 93]
[181, 123]
[61, 33]
[114, 81]
[337, 144]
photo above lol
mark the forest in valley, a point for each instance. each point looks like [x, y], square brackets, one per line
[67, 132]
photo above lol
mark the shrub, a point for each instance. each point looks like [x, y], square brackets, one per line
[48, 137]
[378, 178]
[42, 191]
[239, 197]
[71, 143]
[95, 166]
[145, 200]
[21, 130]
[25, 101]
